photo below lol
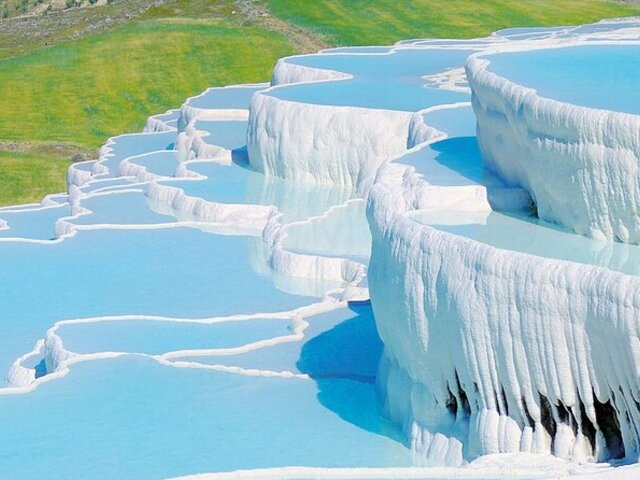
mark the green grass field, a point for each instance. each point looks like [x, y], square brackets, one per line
[79, 92]
[382, 22]
[82, 92]
[26, 178]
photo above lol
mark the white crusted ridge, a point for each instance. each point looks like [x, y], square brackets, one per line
[285, 73]
[509, 348]
[128, 168]
[191, 145]
[422, 133]
[77, 176]
[58, 359]
[245, 218]
[190, 113]
[453, 79]
[596, 153]
[489, 350]
[291, 264]
[322, 143]
[163, 122]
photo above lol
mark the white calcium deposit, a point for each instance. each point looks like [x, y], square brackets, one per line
[580, 164]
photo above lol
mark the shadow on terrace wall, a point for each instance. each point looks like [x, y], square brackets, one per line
[343, 362]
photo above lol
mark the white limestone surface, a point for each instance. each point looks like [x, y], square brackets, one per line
[580, 164]
[322, 143]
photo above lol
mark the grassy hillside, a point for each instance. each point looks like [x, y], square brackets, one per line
[82, 92]
[26, 177]
[379, 22]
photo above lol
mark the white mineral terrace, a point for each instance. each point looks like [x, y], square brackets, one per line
[334, 276]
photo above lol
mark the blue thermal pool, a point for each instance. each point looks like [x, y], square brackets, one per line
[577, 75]
[369, 94]
[162, 163]
[451, 162]
[135, 418]
[325, 352]
[133, 144]
[229, 134]
[37, 223]
[529, 235]
[389, 81]
[155, 337]
[107, 184]
[602, 28]
[350, 50]
[454, 122]
[85, 166]
[168, 117]
[238, 184]
[529, 32]
[175, 272]
[225, 98]
[342, 231]
[120, 208]
[404, 64]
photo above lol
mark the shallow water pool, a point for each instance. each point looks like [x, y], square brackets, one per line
[175, 272]
[535, 237]
[578, 75]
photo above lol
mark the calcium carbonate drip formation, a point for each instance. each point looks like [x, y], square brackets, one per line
[472, 189]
